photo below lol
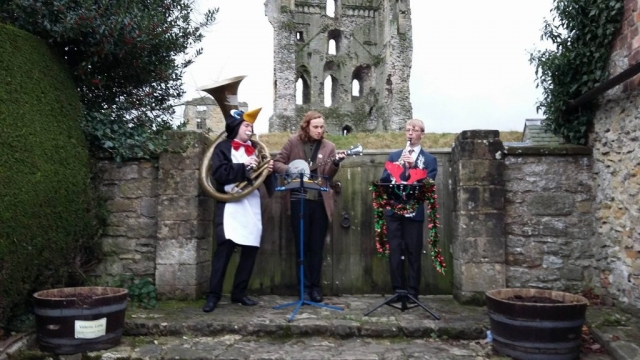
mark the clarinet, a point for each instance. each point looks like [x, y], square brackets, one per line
[406, 149]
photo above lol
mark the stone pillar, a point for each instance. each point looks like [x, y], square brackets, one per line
[479, 240]
[185, 219]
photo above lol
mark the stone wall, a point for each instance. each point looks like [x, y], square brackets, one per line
[185, 220]
[478, 231]
[522, 216]
[617, 177]
[614, 138]
[160, 222]
[548, 205]
[129, 239]
[512, 216]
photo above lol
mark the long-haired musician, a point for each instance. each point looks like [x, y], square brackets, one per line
[311, 146]
[236, 223]
[407, 230]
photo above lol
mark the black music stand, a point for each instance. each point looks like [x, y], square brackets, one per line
[403, 295]
[309, 182]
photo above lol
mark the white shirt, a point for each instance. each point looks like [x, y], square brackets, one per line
[416, 152]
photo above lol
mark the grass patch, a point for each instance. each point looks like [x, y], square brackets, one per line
[380, 141]
[179, 304]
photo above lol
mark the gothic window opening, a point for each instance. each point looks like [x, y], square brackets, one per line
[299, 36]
[359, 81]
[355, 89]
[199, 124]
[299, 86]
[330, 91]
[332, 47]
[331, 8]
[201, 107]
[303, 91]
[334, 38]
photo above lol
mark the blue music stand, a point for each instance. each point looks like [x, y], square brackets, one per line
[309, 182]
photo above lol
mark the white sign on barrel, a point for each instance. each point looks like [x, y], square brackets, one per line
[90, 329]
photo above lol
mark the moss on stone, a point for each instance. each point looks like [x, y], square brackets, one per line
[471, 299]
[548, 150]
[175, 304]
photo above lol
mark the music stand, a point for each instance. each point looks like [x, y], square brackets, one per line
[309, 182]
[402, 295]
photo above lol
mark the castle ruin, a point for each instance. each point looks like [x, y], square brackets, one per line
[204, 114]
[358, 50]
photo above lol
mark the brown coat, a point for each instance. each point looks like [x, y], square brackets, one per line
[293, 150]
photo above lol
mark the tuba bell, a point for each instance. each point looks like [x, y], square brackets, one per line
[225, 94]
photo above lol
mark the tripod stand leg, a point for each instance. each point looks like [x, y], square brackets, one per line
[386, 302]
[422, 306]
[295, 311]
[320, 305]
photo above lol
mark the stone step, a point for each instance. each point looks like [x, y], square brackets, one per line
[187, 319]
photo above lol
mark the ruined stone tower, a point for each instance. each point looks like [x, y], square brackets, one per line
[363, 50]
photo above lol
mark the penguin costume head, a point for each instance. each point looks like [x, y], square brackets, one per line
[235, 118]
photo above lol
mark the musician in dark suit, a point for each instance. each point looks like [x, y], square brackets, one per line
[407, 230]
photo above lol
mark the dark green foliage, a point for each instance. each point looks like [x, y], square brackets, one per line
[48, 224]
[142, 292]
[127, 59]
[582, 32]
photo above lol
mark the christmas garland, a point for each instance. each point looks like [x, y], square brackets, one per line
[425, 193]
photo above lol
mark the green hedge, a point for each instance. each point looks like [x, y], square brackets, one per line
[48, 219]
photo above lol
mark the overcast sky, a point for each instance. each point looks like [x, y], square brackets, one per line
[470, 60]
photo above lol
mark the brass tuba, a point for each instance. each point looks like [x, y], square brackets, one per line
[225, 94]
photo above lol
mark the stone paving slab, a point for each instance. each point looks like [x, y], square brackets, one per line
[186, 318]
[239, 347]
[618, 332]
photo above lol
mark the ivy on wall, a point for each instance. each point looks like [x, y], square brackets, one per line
[582, 32]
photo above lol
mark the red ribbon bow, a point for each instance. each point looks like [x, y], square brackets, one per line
[248, 149]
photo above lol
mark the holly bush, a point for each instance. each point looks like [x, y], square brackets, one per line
[127, 59]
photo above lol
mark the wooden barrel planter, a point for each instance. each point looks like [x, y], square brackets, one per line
[536, 324]
[79, 319]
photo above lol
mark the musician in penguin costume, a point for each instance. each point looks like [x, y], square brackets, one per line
[236, 223]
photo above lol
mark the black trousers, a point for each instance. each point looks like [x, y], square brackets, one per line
[221, 259]
[405, 234]
[315, 230]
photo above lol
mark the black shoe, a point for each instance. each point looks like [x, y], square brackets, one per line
[211, 303]
[307, 296]
[245, 301]
[316, 295]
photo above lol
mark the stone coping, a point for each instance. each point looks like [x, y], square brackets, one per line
[517, 150]
[386, 152]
